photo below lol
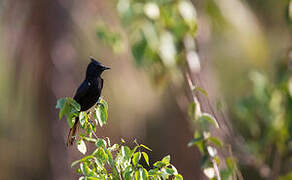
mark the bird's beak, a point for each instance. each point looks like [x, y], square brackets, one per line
[105, 68]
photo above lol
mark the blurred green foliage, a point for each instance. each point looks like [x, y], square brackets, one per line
[157, 31]
[264, 118]
[208, 145]
[161, 38]
[110, 38]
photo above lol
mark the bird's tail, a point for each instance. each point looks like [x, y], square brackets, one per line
[72, 132]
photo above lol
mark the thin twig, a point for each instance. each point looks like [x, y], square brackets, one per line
[90, 122]
[192, 87]
[94, 133]
[238, 174]
[120, 176]
[217, 173]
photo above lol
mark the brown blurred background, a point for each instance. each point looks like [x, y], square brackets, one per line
[44, 50]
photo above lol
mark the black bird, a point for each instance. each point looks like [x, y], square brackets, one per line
[88, 92]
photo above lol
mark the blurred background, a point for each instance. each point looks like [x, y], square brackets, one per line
[245, 60]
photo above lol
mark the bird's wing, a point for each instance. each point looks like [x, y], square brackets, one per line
[101, 84]
[82, 90]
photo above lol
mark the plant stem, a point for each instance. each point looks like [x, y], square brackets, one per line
[217, 173]
[195, 99]
[92, 130]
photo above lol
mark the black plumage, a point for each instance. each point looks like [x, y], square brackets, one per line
[88, 92]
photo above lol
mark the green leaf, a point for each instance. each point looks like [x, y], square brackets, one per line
[113, 39]
[212, 151]
[100, 143]
[195, 141]
[75, 104]
[134, 149]
[137, 175]
[101, 155]
[192, 110]
[65, 111]
[89, 139]
[78, 170]
[145, 155]
[114, 147]
[138, 49]
[204, 161]
[115, 173]
[82, 118]
[101, 114]
[230, 163]
[159, 164]
[108, 141]
[70, 121]
[81, 146]
[205, 117]
[82, 178]
[136, 158]
[60, 103]
[128, 173]
[143, 174]
[225, 174]
[215, 141]
[68, 107]
[174, 169]
[104, 103]
[99, 164]
[169, 171]
[75, 162]
[201, 90]
[153, 172]
[110, 157]
[86, 158]
[142, 145]
[94, 178]
[178, 177]
[85, 169]
[164, 174]
[126, 152]
[166, 159]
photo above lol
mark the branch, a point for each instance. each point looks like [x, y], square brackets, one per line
[217, 173]
[192, 87]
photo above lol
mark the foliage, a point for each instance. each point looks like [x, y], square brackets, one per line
[110, 162]
[263, 117]
[109, 37]
[162, 42]
[161, 36]
[208, 145]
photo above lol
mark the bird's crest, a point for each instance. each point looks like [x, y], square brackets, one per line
[95, 61]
